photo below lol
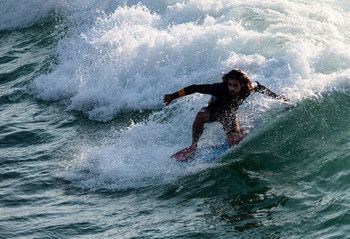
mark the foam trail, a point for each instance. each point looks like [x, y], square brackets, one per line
[131, 161]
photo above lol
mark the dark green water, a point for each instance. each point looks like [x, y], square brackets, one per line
[74, 165]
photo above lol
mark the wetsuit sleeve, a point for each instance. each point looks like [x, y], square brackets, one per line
[264, 90]
[211, 89]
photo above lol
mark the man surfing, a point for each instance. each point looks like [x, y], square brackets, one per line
[227, 96]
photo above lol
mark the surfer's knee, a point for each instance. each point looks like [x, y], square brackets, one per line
[202, 116]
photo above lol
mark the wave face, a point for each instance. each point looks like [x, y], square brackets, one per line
[85, 134]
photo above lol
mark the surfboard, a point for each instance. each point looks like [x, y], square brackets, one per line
[204, 153]
[209, 153]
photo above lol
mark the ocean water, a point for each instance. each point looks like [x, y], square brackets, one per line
[85, 138]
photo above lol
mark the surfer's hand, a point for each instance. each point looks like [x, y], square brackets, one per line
[167, 99]
[282, 97]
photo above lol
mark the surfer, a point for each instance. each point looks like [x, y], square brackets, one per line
[227, 96]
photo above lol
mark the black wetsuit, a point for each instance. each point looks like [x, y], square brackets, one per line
[223, 106]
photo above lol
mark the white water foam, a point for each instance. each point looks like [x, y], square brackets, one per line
[138, 157]
[128, 58]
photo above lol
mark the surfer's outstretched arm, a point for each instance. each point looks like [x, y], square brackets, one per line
[215, 89]
[266, 91]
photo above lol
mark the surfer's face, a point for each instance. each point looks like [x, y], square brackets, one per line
[234, 87]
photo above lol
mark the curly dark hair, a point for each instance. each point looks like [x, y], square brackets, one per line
[243, 79]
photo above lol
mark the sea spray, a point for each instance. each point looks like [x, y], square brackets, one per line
[128, 58]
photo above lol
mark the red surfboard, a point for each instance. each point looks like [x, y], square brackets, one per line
[184, 154]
